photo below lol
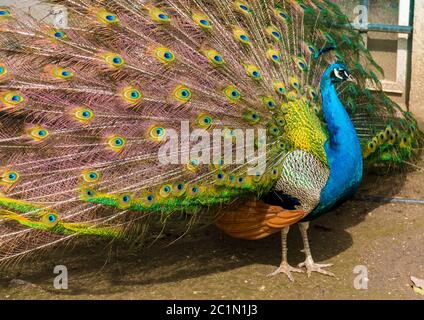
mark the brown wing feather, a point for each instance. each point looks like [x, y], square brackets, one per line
[257, 220]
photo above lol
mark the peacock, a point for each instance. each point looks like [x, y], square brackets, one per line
[88, 113]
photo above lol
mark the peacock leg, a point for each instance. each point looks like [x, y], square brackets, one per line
[309, 263]
[284, 266]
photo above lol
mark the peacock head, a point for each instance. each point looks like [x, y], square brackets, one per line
[337, 73]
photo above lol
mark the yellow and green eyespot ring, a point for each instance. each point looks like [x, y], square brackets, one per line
[157, 133]
[179, 189]
[116, 143]
[220, 178]
[107, 17]
[58, 34]
[12, 98]
[280, 121]
[131, 95]
[148, 199]
[91, 176]
[3, 70]
[275, 173]
[404, 142]
[382, 137]
[269, 103]
[5, 14]
[214, 57]
[242, 7]
[62, 73]
[124, 200]
[83, 115]
[273, 130]
[202, 21]
[241, 35]
[165, 191]
[371, 147]
[232, 93]
[392, 139]
[193, 190]
[50, 219]
[204, 121]
[300, 63]
[251, 117]
[38, 133]
[274, 56]
[274, 33]
[164, 55]
[159, 16]
[10, 177]
[182, 94]
[294, 82]
[253, 72]
[193, 165]
[279, 87]
[113, 60]
[283, 16]
[313, 94]
[310, 48]
[292, 95]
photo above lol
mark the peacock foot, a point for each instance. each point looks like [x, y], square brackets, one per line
[311, 266]
[287, 270]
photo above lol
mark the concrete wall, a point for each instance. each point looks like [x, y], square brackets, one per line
[416, 102]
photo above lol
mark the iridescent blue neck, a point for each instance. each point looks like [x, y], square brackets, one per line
[343, 152]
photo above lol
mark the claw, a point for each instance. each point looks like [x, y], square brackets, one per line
[287, 270]
[311, 266]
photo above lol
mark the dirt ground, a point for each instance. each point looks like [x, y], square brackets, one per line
[386, 238]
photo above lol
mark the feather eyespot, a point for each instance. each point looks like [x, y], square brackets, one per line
[300, 63]
[253, 72]
[214, 57]
[251, 117]
[179, 189]
[204, 121]
[274, 56]
[273, 130]
[131, 95]
[3, 70]
[202, 21]
[165, 191]
[9, 178]
[241, 36]
[91, 176]
[269, 103]
[232, 93]
[38, 133]
[50, 219]
[279, 87]
[157, 133]
[107, 17]
[193, 165]
[164, 55]
[159, 16]
[283, 16]
[83, 115]
[242, 7]
[182, 94]
[113, 60]
[294, 82]
[5, 13]
[274, 33]
[12, 98]
[62, 73]
[116, 143]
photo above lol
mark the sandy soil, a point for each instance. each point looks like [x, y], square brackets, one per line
[387, 238]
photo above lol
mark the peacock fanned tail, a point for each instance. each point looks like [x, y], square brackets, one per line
[85, 110]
